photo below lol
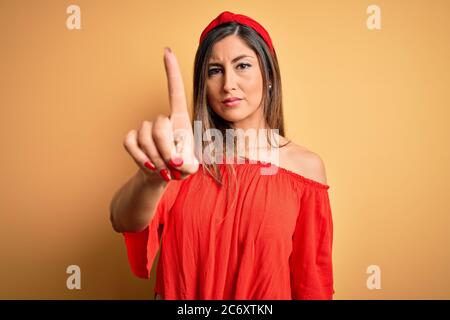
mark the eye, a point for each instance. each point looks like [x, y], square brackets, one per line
[213, 71]
[246, 65]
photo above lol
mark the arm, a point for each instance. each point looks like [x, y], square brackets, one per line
[311, 258]
[134, 204]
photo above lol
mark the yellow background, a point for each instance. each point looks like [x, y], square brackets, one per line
[373, 104]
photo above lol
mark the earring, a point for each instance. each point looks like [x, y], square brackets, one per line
[270, 86]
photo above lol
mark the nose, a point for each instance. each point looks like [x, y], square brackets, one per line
[229, 80]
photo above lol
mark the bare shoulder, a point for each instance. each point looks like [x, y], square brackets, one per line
[304, 162]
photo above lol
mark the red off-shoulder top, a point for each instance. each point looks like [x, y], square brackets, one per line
[271, 238]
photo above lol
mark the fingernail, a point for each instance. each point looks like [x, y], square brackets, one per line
[176, 174]
[167, 49]
[165, 174]
[176, 162]
[150, 165]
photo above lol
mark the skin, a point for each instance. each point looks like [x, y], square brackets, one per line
[242, 78]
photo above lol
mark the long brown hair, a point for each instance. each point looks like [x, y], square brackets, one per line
[272, 98]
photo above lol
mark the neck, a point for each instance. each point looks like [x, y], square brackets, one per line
[265, 147]
[253, 122]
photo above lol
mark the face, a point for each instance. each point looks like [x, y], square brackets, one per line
[234, 72]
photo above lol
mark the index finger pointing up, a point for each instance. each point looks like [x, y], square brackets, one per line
[177, 97]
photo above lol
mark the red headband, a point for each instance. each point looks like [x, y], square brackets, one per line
[227, 16]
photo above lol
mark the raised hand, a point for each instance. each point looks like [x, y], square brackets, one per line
[164, 147]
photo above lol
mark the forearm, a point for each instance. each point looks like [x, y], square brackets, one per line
[134, 204]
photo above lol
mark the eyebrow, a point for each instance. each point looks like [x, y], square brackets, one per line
[232, 61]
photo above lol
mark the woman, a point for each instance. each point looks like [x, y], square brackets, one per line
[225, 229]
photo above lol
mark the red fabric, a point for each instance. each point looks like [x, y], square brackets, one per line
[227, 16]
[274, 242]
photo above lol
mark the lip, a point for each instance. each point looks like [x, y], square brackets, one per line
[231, 102]
[231, 99]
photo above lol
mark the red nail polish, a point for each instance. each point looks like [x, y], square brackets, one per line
[176, 162]
[165, 174]
[176, 174]
[150, 165]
